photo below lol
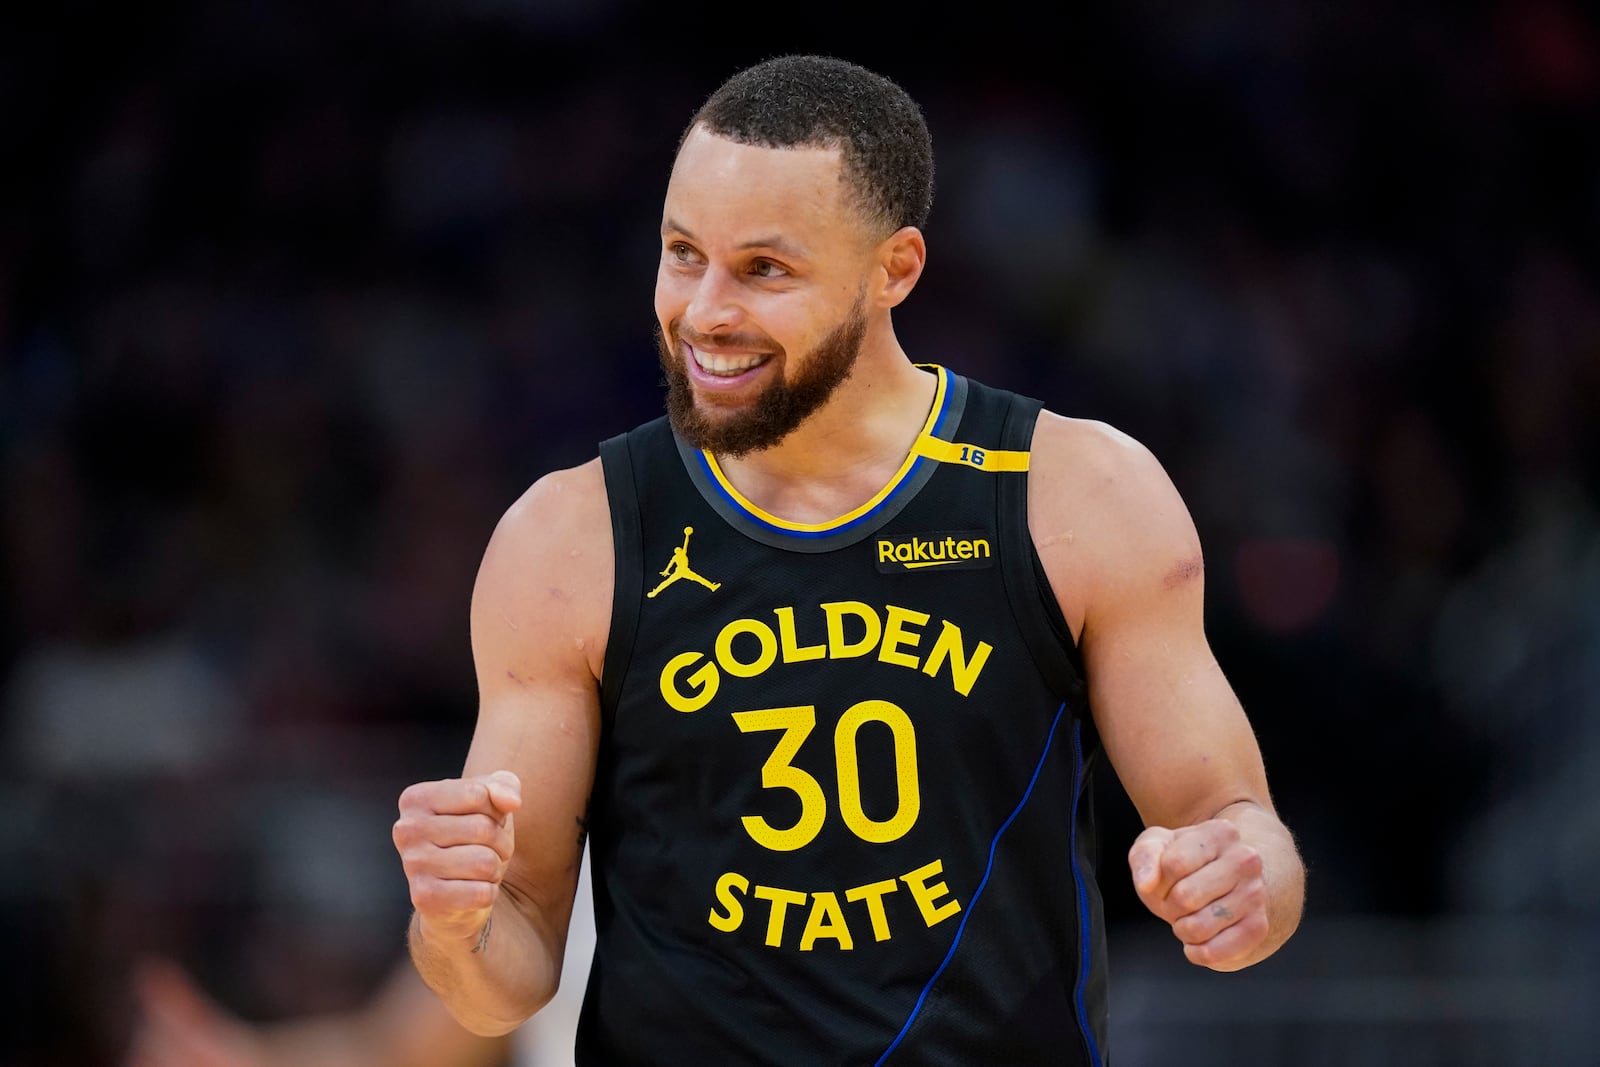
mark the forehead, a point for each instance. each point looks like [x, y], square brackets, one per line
[724, 190]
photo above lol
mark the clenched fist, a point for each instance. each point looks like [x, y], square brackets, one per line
[1207, 884]
[455, 839]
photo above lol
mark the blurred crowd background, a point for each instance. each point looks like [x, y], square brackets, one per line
[296, 298]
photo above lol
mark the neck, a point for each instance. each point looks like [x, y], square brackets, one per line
[849, 449]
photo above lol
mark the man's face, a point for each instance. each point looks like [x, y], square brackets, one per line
[760, 295]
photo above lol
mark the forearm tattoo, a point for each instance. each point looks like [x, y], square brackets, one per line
[483, 937]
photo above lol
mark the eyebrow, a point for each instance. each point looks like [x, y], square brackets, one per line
[779, 244]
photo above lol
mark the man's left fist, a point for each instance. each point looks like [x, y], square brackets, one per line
[1206, 883]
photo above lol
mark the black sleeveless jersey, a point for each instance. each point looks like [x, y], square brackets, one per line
[841, 812]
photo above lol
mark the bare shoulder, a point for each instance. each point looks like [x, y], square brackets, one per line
[563, 505]
[1085, 461]
[548, 567]
[1105, 516]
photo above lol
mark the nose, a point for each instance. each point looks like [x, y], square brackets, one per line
[714, 306]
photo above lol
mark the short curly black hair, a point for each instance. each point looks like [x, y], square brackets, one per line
[814, 101]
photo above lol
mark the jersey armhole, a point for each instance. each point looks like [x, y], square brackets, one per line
[627, 538]
[1033, 603]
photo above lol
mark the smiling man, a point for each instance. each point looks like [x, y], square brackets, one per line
[820, 665]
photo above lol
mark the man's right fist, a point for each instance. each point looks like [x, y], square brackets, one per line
[455, 839]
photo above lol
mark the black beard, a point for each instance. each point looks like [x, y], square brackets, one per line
[779, 408]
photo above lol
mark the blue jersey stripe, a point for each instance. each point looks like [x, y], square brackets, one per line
[1085, 940]
[831, 531]
[994, 844]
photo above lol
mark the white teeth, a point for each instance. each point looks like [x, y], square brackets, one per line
[725, 366]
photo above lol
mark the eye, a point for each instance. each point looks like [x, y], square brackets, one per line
[765, 268]
[679, 252]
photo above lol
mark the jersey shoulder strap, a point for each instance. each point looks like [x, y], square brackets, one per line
[627, 538]
[1043, 626]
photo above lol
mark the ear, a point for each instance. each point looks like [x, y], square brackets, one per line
[901, 256]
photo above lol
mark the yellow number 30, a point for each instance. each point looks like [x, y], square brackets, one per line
[779, 773]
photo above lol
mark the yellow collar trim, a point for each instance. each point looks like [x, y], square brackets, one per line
[925, 435]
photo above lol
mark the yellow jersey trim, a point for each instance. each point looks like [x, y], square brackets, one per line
[934, 411]
[984, 459]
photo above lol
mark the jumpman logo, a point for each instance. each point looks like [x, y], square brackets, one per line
[678, 567]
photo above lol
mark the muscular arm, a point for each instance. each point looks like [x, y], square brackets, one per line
[540, 611]
[1123, 556]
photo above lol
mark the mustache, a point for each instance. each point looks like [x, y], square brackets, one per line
[721, 340]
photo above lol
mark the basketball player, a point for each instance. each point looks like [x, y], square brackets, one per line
[836, 766]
